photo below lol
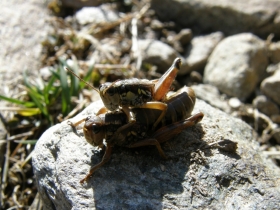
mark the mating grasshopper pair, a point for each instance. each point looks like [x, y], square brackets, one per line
[156, 117]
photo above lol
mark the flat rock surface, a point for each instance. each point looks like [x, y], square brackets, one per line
[212, 97]
[230, 17]
[21, 35]
[195, 175]
[236, 65]
[158, 53]
[271, 86]
[199, 51]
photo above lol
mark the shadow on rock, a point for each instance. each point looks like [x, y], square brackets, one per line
[140, 178]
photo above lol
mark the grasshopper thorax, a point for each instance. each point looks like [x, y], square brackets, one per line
[129, 92]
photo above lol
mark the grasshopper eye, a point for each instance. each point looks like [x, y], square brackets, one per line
[95, 128]
[111, 91]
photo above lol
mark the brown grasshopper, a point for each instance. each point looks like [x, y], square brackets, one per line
[137, 93]
[117, 130]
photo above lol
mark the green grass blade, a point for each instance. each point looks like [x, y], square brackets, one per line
[87, 77]
[48, 89]
[65, 103]
[26, 83]
[36, 99]
[33, 142]
[55, 95]
[74, 81]
[55, 74]
[15, 101]
[28, 112]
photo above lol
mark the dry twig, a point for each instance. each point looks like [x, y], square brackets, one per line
[271, 128]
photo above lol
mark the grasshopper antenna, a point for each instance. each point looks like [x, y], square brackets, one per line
[82, 79]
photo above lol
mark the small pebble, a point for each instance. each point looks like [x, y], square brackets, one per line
[234, 103]
[162, 167]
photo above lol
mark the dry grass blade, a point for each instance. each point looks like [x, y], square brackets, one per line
[271, 128]
[20, 144]
[126, 18]
[275, 154]
[37, 203]
[78, 108]
[16, 188]
[26, 159]
[95, 42]
[135, 47]
[112, 66]
[111, 25]
[21, 135]
[5, 173]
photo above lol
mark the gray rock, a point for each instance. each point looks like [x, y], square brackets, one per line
[157, 53]
[271, 87]
[212, 96]
[274, 52]
[198, 52]
[272, 68]
[178, 41]
[96, 15]
[231, 17]
[236, 65]
[156, 24]
[195, 175]
[234, 103]
[266, 106]
[184, 36]
[23, 28]
[196, 76]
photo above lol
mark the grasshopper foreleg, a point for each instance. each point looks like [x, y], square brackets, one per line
[73, 125]
[119, 134]
[104, 160]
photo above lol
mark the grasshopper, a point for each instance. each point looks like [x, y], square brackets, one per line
[134, 92]
[117, 130]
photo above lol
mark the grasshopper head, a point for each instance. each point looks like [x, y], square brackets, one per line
[93, 130]
[109, 96]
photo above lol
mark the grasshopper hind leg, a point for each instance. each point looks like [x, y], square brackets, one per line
[148, 142]
[156, 105]
[163, 84]
[168, 132]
